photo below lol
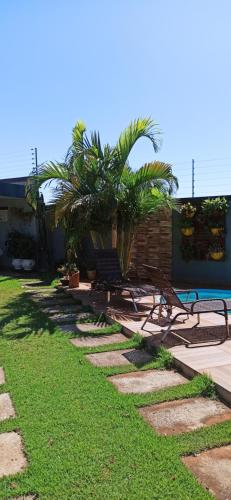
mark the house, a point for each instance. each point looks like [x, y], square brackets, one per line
[15, 214]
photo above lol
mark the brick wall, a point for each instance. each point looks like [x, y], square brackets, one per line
[153, 244]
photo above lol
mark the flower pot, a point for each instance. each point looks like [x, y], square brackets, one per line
[64, 280]
[91, 274]
[28, 264]
[17, 264]
[216, 255]
[74, 280]
[216, 230]
[187, 231]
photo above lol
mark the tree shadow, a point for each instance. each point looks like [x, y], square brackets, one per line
[22, 318]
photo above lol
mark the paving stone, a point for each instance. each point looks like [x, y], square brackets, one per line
[120, 357]
[24, 497]
[99, 340]
[60, 309]
[12, 458]
[63, 317]
[185, 415]
[2, 376]
[150, 380]
[88, 327]
[6, 407]
[213, 470]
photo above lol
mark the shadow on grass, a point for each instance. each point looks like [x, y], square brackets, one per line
[21, 318]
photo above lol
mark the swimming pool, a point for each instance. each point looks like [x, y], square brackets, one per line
[206, 293]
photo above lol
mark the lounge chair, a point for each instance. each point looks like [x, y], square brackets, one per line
[109, 278]
[170, 299]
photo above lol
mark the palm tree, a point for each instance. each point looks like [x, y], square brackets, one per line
[97, 191]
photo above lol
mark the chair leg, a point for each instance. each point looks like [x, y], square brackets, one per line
[134, 302]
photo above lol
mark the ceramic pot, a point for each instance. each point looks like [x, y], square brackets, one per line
[187, 231]
[74, 280]
[216, 230]
[28, 264]
[216, 255]
[91, 274]
[17, 264]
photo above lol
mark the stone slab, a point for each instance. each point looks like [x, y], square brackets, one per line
[2, 376]
[99, 340]
[213, 470]
[185, 415]
[24, 497]
[61, 309]
[6, 407]
[147, 381]
[71, 319]
[89, 327]
[12, 458]
[120, 357]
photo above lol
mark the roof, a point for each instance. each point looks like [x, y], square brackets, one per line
[15, 179]
[9, 190]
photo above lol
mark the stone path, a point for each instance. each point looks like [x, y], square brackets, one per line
[99, 340]
[12, 458]
[120, 357]
[213, 470]
[6, 407]
[185, 415]
[213, 467]
[147, 381]
[2, 376]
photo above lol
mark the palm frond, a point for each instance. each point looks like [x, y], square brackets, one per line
[142, 127]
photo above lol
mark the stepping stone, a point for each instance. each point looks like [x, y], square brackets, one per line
[6, 407]
[99, 340]
[2, 376]
[119, 358]
[61, 309]
[185, 415]
[90, 327]
[12, 458]
[151, 380]
[63, 317]
[24, 497]
[213, 470]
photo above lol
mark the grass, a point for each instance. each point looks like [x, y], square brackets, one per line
[82, 438]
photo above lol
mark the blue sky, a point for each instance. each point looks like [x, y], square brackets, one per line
[108, 62]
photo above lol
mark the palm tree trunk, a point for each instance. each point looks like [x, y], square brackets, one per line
[114, 231]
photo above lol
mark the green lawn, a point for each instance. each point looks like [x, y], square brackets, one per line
[82, 438]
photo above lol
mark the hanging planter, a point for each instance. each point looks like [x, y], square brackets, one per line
[188, 211]
[216, 251]
[187, 231]
[216, 231]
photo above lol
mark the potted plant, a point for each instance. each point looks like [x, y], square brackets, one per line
[14, 249]
[73, 273]
[90, 268]
[63, 270]
[216, 228]
[188, 210]
[28, 252]
[216, 251]
[187, 228]
[215, 208]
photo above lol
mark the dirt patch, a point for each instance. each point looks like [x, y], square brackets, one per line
[121, 357]
[99, 340]
[185, 415]
[151, 380]
[213, 470]
[6, 407]
[12, 459]
[2, 376]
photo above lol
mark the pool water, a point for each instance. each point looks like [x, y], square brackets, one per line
[206, 293]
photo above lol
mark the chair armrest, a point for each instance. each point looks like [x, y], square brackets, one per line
[195, 292]
[200, 301]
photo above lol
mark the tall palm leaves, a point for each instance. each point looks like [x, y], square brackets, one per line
[96, 190]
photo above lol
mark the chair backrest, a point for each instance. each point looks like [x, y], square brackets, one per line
[108, 265]
[160, 281]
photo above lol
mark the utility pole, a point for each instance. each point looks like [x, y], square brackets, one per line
[34, 154]
[193, 178]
